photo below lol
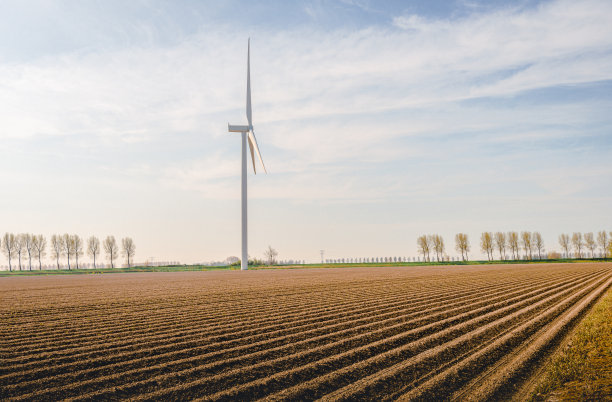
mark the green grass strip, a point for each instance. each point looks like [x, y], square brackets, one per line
[179, 268]
[583, 369]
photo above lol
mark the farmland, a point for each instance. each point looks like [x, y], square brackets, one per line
[337, 334]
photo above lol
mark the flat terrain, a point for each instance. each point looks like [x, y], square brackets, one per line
[468, 332]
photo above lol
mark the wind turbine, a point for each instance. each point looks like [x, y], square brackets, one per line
[247, 133]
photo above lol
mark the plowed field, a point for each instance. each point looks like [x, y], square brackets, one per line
[474, 332]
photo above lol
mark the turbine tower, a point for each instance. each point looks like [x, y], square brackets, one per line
[247, 132]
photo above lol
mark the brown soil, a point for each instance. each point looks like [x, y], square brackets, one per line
[418, 333]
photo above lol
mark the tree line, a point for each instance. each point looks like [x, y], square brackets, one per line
[511, 244]
[366, 260]
[34, 247]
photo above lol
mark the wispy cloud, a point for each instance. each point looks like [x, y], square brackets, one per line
[320, 97]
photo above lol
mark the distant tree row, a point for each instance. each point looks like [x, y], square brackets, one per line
[365, 260]
[578, 243]
[511, 244]
[30, 246]
[428, 244]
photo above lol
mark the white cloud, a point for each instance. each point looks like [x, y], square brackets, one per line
[341, 98]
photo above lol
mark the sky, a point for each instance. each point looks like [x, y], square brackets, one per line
[378, 122]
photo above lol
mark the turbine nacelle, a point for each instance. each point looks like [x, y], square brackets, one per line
[238, 129]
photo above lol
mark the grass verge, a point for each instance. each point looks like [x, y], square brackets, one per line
[179, 268]
[583, 369]
[169, 268]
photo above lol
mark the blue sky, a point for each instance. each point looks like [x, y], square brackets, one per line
[378, 121]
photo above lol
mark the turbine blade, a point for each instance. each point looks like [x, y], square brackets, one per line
[252, 156]
[248, 100]
[254, 141]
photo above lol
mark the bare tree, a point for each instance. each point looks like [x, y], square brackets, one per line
[486, 244]
[77, 248]
[438, 246]
[424, 246]
[8, 247]
[39, 244]
[577, 243]
[111, 249]
[589, 242]
[68, 245]
[27, 244]
[462, 244]
[231, 260]
[500, 242]
[270, 255]
[128, 249]
[527, 244]
[431, 239]
[513, 244]
[538, 243]
[19, 247]
[564, 241]
[93, 248]
[602, 240]
[57, 248]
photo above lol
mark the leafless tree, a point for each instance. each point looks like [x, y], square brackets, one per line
[19, 247]
[57, 248]
[270, 255]
[564, 241]
[232, 260]
[424, 246]
[8, 247]
[589, 242]
[527, 244]
[602, 240]
[500, 242]
[27, 245]
[578, 243]
[513, 244]
[538, 243]
[431, 239]
[93, 248]
[68, 245]
[486, 244]
[438, 246]
[39, 244]
[128, 249]
[111, 249]
[462, 244]
[77, 248]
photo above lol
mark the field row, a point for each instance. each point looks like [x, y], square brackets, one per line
[344, 334]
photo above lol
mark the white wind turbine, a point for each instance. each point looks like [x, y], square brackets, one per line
[246, 130]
